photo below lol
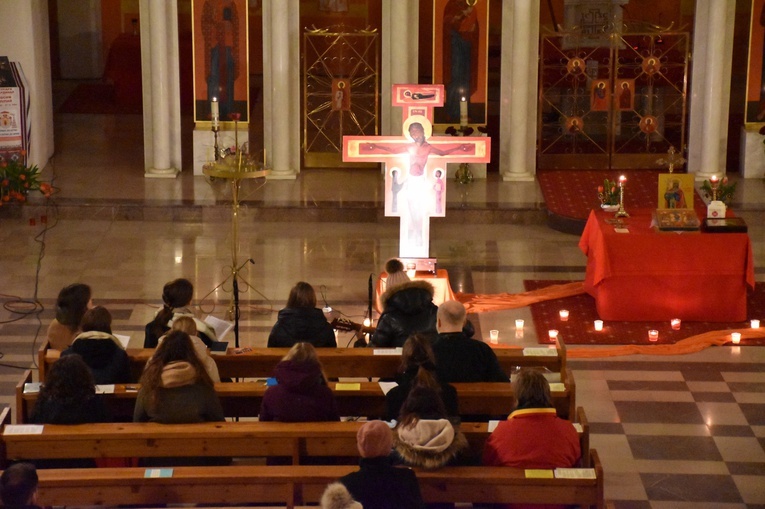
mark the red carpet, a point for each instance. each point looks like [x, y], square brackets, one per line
[578, 330]
[97, 98]
[573, 193]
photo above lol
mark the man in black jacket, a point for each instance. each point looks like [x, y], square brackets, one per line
[459, 358]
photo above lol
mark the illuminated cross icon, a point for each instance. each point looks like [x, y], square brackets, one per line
[415, 164]
[672, 159]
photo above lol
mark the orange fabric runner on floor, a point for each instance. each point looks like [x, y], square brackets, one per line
[481, 303]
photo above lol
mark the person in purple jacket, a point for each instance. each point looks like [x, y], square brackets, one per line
[301, 393]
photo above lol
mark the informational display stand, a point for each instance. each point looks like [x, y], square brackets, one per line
[14, 112]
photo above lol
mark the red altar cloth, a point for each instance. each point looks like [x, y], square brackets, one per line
[440, 282]
[647, 275]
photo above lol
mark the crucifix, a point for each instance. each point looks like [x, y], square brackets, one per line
[415, 164]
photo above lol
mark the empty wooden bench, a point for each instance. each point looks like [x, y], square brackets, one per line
[297, 484]
[234, 439]
[337, 362]
[243, 399]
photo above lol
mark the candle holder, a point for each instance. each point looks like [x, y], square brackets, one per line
[215, 129]
[714, 183]
[621, 212]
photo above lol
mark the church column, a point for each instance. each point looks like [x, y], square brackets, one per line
[400, 29]
[281, 87]
[710, 87]
[518, 89]
[161, 89]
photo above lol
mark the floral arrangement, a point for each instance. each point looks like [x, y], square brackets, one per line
[16, 180]
[725, 190]
[608, 193]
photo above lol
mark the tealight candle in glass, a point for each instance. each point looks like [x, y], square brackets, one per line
[735, 337]
[563, 315]
[519, 324]
[598, 325]
[675, 322]
[552, 334]
[653, 335]
[755, 324]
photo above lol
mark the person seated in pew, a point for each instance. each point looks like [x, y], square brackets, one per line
[418, 367]
[336, 496]
[189, 326]
[69, 397]
[175, 387]
[176, 296]
[101, 351]
[425, 436]
[458, 357]
[18, 487]
[533, 436]
[378, 484]
[407, 308]
[71, 304]
[301, 393]
[301, 321]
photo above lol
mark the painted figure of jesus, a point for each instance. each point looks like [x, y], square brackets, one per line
[415, 186]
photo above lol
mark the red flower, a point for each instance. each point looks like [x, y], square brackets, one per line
[600, 189]
[22, 176]
[235, 116]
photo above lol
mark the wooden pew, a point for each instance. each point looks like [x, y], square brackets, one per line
[243, 399]
[337, 362]
[299, 484]
[234, 439]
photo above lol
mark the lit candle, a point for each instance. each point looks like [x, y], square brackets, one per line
[653, 335]
[563, 315]
[675, 322]
[494, 335]
[552, 334]
[214, 108]
[598, 325]
[622, 180]
[735, 337]
[714, 179]
[463, 112]
[755, 324]
[519, 324]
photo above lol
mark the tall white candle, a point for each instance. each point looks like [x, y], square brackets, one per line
[215, 112]
[463, 112]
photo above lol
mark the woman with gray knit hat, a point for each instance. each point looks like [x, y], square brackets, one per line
[378, 484]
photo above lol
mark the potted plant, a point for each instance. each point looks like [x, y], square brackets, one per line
[608, 194]
[17, 179]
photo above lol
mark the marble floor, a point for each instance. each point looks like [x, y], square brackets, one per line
[672, 432]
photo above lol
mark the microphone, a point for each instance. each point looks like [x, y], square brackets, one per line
[369, 310]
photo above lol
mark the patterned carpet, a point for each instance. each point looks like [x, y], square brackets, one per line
[573, 193]
[579, 329]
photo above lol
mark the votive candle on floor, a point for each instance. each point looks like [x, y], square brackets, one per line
[735, 337]
[653, 335]
[755, 324]
[519, 324]
[675, 322]
[563, 315]
[598, 325]
[552, 334]
[494, 335]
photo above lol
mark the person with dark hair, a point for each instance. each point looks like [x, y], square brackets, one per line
[69, 397]
[533, 436]
[407, 308]
[176, 296]
[101, 351]
[71, 304]
[301, 321]
[18, 486]
[378, 484]
[460, 359]
[425, 436]
[418, 367]
[301, 393]
[175, 388]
